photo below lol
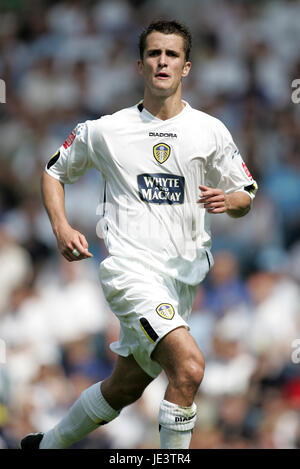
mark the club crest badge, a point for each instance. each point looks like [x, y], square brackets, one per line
[161, 152]
[165, 310]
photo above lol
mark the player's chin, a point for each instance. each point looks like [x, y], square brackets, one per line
[163, 89]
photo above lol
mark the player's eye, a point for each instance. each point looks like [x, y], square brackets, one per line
[153, 53]
[172, 53]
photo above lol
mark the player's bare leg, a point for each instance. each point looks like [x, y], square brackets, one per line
[126, 383]
[180, 357]
[183, 362]
[99, 404]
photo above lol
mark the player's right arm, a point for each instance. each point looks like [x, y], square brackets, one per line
[68, 238]
[69, 163]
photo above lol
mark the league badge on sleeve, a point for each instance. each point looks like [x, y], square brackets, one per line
[70, 139]
[247, 171]
[161, 152]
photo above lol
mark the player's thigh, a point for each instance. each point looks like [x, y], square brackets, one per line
[148, 306]
[177, 353]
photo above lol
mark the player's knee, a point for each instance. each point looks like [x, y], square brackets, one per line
[190, 374]
[195, 371]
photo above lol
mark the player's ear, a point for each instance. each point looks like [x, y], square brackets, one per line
[140, 67]
[186, 69]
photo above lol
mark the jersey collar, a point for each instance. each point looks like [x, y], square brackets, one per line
[150, 116]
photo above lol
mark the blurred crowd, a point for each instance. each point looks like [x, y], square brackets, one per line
[64, 62]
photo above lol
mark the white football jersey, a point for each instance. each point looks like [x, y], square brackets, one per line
[152, 170]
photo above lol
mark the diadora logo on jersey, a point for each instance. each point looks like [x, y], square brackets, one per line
[161, 152]
[165, 310]
[162, 134]
[161, 188]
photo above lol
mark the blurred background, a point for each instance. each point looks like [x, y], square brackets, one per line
[67, 61]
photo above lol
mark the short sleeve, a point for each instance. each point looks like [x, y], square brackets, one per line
[228, 170]
[73, 158]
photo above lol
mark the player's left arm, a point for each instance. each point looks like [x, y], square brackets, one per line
[235, 204]
[230, 187]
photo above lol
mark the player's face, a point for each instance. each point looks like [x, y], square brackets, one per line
[164, 65]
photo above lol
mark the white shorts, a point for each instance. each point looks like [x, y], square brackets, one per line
[148, 304]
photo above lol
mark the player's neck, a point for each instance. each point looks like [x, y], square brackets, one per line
[161, 107]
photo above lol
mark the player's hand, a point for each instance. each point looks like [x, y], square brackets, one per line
[72, 244]
[213, 200]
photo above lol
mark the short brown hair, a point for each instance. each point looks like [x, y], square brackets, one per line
[167, 27]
